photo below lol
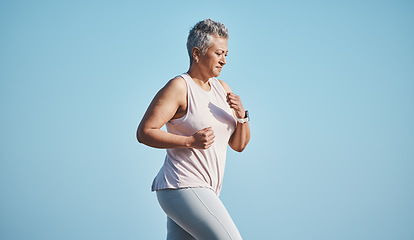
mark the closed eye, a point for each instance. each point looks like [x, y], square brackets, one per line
[219, 54]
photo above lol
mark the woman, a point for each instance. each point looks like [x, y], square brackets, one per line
[202, 116]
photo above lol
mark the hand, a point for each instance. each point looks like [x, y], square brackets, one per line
[235, 103]
[202, 139]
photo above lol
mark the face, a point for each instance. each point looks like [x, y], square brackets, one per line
[215, 58]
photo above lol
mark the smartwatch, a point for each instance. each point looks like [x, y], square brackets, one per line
[245, 119]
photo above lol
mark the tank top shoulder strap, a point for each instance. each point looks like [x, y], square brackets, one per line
[187, 79]
[218, 86]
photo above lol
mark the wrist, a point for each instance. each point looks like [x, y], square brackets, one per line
[188, 141]
[240, 114]
[245, 119]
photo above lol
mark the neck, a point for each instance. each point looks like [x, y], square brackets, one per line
[195, 72]
[199, 78]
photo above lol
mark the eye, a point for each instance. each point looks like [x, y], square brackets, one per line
[219, 54]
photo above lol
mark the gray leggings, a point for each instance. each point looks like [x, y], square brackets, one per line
[196, 213]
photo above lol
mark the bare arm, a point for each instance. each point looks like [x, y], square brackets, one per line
[241, 136]
[170, 102]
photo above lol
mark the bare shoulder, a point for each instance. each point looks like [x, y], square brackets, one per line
[175, 91]
[225, 86]
[175, 88]
[177, 84]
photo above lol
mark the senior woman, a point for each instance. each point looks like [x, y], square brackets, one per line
[202, 116]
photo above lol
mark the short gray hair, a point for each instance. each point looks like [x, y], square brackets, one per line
[202, 33]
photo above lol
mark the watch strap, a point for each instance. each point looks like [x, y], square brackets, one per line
[245, 119]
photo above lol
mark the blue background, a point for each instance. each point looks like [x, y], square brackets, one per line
[329, 86]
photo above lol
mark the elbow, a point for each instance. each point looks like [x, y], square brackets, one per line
[140, 135]
[145, 136]
[241, 149]
[139, 138]
[239, 144]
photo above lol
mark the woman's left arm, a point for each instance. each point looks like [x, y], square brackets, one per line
[241, 136]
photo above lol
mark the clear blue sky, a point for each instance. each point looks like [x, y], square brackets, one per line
[329, 86]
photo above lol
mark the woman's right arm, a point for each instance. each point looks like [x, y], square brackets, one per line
[169, 101]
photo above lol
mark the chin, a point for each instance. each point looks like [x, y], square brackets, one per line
[216, 73]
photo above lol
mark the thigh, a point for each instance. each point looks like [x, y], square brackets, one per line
[199, 212]
[175, 232]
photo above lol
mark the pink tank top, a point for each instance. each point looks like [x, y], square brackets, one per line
[189, 167]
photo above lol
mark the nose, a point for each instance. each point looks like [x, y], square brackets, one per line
[223, 60]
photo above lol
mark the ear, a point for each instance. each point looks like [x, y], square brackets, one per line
[196, 53]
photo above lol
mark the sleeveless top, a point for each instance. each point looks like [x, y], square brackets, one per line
[190, 167]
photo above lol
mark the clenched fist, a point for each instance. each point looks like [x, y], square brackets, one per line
[235, 103]
[202, 139]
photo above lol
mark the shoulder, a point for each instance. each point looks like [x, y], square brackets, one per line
[176, 84]
[176, 87]
[225, 86]
[174, 91]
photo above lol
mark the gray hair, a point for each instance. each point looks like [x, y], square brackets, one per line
[202, 33]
